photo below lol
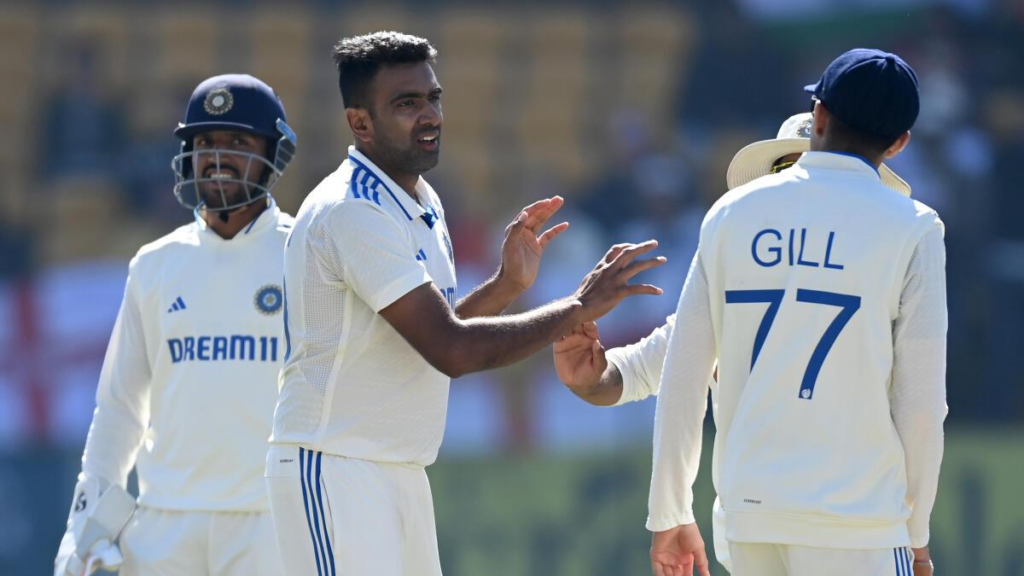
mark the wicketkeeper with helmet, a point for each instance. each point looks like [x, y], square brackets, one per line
[187, 390]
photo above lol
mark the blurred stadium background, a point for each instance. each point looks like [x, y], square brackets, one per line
[631, 113]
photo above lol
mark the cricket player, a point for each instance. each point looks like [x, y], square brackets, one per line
[375, 333]
[633, 373]
[189, 382]
[822, 297]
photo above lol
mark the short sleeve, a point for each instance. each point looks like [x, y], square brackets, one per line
[376, 257]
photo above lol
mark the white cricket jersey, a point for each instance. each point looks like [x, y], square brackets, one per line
[351, 385]
[190, 376]
[822, 296]
[640, 364]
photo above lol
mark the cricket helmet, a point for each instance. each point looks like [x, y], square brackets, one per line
[233, 102]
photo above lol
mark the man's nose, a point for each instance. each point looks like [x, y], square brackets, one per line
[431, 115]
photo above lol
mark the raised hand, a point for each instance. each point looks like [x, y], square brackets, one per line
[608, 283]
[524, 245]
[579, 358]
[678, 551]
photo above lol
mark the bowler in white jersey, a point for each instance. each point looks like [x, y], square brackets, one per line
[632, 373]
[375, 332]
[189, 382]
[822, 297]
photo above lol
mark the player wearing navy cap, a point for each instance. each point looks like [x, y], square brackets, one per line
[821, 295]
[632, 373]
[187, 390]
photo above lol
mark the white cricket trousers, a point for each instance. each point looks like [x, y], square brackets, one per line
[788, 560]
[337, 516]
[176, 543]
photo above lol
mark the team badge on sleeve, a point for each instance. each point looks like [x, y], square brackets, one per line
[269, 299]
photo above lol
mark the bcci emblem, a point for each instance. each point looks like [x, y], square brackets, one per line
[804, 129]
[218, 101]
[269, 299]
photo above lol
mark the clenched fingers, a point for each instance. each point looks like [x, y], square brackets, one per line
[573, 343]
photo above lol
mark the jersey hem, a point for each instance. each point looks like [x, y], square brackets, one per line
[315, 447]
[176, 505]
[814, 531]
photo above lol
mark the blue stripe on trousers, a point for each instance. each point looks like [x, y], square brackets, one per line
[305, 505]
[902, 557]
[316, 517]
[320, 501]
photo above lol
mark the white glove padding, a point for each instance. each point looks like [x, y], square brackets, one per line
[101, 556]
[99, 511]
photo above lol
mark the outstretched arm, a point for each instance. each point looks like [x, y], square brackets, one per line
[617, 376]
[456, 346]
[581, 364]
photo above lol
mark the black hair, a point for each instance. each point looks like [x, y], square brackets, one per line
[857, 140]
[359, 58]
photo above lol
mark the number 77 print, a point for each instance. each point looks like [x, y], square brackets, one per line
[848, 304]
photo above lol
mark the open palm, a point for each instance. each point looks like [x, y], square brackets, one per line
[524, 244]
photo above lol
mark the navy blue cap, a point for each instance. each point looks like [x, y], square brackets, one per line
[232, 102]
[870, 90]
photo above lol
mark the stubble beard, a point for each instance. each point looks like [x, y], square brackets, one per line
[234, 193]
[408, 161]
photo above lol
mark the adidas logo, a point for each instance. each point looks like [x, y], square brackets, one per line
[421, 255]
[179, 304]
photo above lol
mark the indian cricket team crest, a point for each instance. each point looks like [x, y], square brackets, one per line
[218, 101]
[269, 299]
[803, 130]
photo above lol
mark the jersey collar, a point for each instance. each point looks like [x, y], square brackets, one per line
[410, 207]
[266, 220]
[838, 161]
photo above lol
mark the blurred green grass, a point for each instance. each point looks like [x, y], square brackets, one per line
[583, 515]
[576, 514]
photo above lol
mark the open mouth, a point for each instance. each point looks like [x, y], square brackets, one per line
[220, 174]
[429, 140]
